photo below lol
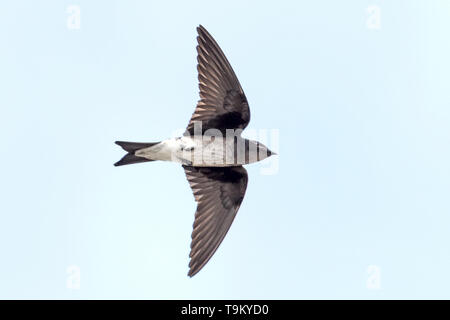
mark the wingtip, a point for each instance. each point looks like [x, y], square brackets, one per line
[201, 30]
[193, 268]
[192, 273]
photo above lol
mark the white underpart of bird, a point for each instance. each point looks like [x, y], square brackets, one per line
[206, 151]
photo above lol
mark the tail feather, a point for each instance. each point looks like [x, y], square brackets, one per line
[134, 146]
[131, 148]
[130, 159]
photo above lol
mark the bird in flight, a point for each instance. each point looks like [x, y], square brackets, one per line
[211, 150]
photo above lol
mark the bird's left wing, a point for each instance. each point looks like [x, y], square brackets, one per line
[219, 193]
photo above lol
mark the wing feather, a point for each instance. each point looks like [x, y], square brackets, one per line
[219, 193]
[222, 103]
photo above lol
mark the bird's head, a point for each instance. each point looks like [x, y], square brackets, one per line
[262, 151]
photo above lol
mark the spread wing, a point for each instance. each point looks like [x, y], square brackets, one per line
[219, 193]
[222, 103]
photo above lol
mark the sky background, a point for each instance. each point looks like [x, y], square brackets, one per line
[358, 206]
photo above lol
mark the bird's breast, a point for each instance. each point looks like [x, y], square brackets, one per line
[213, 151]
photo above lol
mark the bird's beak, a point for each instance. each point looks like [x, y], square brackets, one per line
[273, 153]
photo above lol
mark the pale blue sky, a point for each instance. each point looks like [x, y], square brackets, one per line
[364, 130]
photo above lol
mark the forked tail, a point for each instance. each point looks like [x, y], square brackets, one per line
[131, 148]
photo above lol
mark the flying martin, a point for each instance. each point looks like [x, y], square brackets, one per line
[211, 150]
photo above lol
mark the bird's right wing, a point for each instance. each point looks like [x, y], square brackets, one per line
[222, 103]
[219, 193]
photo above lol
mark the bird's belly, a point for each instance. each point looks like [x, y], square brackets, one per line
[208, 158]
[198, 152]
[203, 154]
[206, 152]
